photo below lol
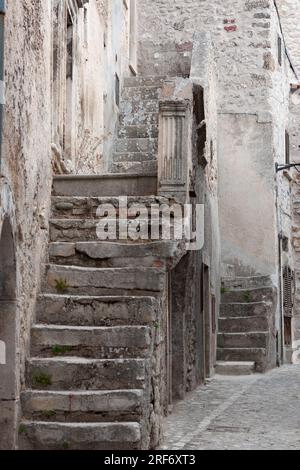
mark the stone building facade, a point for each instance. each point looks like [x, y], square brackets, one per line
[128, 106]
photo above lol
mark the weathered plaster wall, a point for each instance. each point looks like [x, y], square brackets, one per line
[100, 51]
[26, 158]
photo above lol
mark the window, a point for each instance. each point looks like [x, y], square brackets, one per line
[288, 291]
[287, 148]
[117, 90]
[279, 50]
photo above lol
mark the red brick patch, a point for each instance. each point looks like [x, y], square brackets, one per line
[230, 29]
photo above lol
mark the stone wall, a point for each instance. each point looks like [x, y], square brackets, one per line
[26, 158]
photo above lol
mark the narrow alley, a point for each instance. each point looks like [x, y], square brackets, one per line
[259, 412]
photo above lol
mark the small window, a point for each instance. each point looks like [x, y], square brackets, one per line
[117, 90]
[279, 50]
[288, 291]
[287, 148]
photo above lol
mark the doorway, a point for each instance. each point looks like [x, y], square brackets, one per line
[187, 334]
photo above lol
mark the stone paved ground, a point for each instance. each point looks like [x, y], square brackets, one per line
[255, 412]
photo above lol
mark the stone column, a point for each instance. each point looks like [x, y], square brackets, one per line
[173, 149]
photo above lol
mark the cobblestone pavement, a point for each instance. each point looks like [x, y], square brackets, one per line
[255, 412]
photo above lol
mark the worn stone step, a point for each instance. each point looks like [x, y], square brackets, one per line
[91, 342]
[76, 207]
[151, 81]
[141, 118]
[34, 435]
[97, 406]
[239, 309]
[142, 168]
[135, 107]
[138, 132]
[235, 368]
[96, 311]
[257, 355]
[128, 157]
[243, 340]
[105, 185]
[106, 281]
[109, 255]
[148, 146]
[246, 282]
[137, 230]
[141, 93]
[243, 324]
[74, 373]
[263, 294]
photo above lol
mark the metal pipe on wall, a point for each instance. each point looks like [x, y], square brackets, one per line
[2, 83]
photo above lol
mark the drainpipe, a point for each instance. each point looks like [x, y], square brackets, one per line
[2, 84]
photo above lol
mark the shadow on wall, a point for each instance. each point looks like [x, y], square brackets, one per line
[8, 339]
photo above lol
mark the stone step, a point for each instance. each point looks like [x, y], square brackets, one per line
[257, 355]
[151, 81]
[142, 168]
[243, 340]
[141, 94]
[79, 436]
[76, 207]
[77, 373]
[239, 309]
[235, 368]
[105, 185]
[98, 406]
[134, 157]
[91, 342]
[138, 132]
[247, 282]
[138, 230]
[263, 294]
[135, 107]
[243, 324]
[96, 311]
[110, 255]
[106, 281]
[139, 146]
[141, 118]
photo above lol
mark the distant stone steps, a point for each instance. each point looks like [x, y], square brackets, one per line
[253, 294]
[246, 323]
[246, 310]
[253, 339]
[257, 355]
[243, 324]
[235, 368]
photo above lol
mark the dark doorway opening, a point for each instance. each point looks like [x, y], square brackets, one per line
[189, 335]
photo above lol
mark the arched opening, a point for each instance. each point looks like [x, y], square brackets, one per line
[8, 339]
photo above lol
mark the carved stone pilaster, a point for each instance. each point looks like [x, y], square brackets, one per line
[173, 143]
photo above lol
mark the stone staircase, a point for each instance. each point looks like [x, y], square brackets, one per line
[245, 337]
[95, 377]
[90, 379]
[137, 136]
